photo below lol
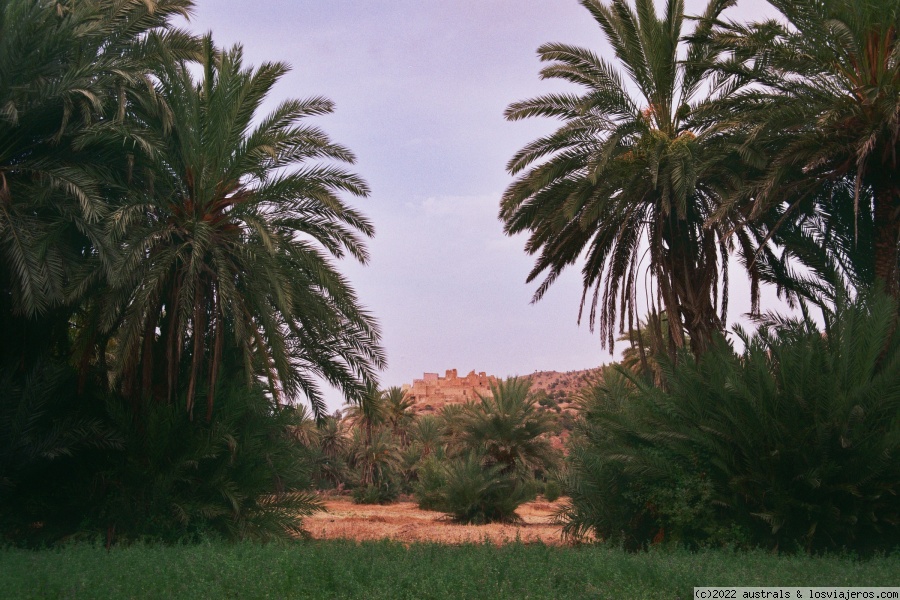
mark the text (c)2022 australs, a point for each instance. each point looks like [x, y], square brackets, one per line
[796, 593]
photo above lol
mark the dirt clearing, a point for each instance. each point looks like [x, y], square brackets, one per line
[404, 522]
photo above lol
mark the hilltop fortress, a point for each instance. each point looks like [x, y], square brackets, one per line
[432, 392]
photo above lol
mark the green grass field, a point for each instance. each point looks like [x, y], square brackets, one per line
[335, 569]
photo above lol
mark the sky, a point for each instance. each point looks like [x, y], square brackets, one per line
[420, 87]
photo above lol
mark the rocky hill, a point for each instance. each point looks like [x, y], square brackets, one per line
[562, 386]
[556, 393]
[432, 391]
[560, 389]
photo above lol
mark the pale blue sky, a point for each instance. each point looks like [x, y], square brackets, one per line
[420, 87]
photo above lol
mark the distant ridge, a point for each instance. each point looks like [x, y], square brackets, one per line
[562, 384]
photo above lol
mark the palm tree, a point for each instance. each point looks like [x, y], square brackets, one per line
[332, 437]
[375, 451]
[629, 175]
[426, 434]
[227, 243]
[451, 422]
[330, 453]
[304, 430]
[640, 358]
[508, 428]
[368, 413]
[377, 458]
[67, 70]
[818, 250]
[819, 94]
[398, 406]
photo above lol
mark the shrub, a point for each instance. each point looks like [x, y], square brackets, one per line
[46, 430]
[243, 475]
[428, 490]
[545, 400]
[552, 490]
[384, 492]
[474, 493]
[794, 443]
[104, 468]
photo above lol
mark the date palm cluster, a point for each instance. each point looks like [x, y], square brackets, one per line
[168, 280]
[155, 225]
[776, 141]
[476, 461]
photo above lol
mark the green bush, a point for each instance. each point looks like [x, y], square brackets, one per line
[497, 445]
[475, 493]
[47, 428]
[552, 491]
[431, 482]
[242, 475]
[383, 493]
[794, 443]
[101, 468]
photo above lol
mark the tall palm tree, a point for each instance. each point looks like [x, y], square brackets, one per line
[819, 94]
[628, 177]
[67, 70]
[227, 243]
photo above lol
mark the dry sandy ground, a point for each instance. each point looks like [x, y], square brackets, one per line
[404, 522]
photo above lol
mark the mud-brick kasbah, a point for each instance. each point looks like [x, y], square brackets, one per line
[432, 392]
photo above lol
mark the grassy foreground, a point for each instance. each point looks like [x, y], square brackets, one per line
[339, 569]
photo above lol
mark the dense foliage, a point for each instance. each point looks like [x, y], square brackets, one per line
[792, 443]
[169, 297]
[773, 141]
[495, 450]
[163, 245]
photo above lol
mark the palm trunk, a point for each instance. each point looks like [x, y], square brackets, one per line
[701, 321]
[197, 358]
[370, 467]
[673, 310]
[887, 235]
[216, 358]
[173, 346]
[694, 286]
[146, 356]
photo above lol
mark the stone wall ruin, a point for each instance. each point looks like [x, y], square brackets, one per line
[432, 392]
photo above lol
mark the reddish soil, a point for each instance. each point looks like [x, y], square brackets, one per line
[404, 522]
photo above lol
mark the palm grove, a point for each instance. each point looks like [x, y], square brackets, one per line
[776, 141]
[169, 290]
[167, 274]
